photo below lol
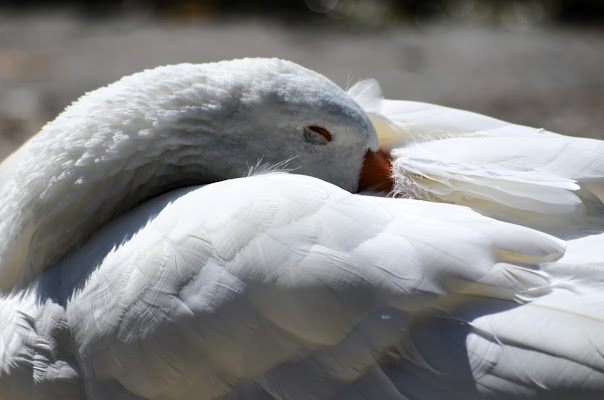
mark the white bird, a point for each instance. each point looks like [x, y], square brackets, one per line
[122, 279]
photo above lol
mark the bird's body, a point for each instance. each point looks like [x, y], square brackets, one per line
[278, 286]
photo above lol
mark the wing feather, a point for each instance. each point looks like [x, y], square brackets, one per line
[301, 289]
[524, 175]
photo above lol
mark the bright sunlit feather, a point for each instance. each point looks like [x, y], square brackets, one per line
[123, 279]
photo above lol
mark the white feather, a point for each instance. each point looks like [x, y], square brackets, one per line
[523, 175]
[193, 304]
[281, 286]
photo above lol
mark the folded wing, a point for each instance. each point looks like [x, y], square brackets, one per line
[548, 348]
[283, 286]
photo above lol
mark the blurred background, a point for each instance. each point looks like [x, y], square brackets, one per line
[533, 62]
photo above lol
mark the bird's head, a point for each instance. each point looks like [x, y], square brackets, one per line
[211, 122]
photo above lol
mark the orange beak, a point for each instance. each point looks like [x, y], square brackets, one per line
[376, 173]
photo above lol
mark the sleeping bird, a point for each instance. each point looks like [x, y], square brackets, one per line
[248, 230]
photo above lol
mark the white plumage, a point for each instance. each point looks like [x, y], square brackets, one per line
[282, 286]
[523, 175]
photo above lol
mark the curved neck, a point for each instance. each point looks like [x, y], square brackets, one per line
[91, 165]
[51, 207]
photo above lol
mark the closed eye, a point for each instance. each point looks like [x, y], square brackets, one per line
[317, 135]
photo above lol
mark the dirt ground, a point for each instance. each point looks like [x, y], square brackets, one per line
[543, 77]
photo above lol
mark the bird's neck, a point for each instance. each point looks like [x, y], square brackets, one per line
[65, 183]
